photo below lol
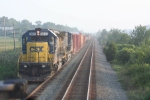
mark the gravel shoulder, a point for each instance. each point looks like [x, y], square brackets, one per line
[107, 85]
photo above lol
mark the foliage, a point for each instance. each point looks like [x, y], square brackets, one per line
[24, 25]
[140, 35]
[134, 79]
[121, 46]
[138, 56]
[139, 74]
[103, 36]
[114, 35]
[124, 55]
[147, 97]
[117, 36]
[8, 64]
[110, 51]
[132, 60]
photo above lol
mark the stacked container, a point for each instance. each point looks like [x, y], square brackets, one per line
[78, 41]
[82, 40]
[74, 43]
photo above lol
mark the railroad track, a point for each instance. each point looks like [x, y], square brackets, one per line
[82, 85]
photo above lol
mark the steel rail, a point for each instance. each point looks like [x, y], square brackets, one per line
[89, 83]
[34, 91]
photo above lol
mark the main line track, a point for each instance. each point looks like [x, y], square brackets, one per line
[82, 84]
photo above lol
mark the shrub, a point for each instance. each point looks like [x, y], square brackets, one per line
[121, 46]
[138, 56]
[110, 51]
[124, 55]
[139, 74]
[147, 96]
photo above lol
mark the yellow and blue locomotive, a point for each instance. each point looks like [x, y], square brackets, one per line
[44, 51]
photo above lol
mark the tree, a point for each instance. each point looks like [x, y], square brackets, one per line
[117, 36]
[110, 51]
[38, 23]
[102, 36]
[25, 25]
[140, 35]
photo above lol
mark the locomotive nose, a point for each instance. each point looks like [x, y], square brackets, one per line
[37, 52]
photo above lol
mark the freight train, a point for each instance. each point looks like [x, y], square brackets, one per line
[44, 51]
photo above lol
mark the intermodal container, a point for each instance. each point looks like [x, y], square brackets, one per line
[74, 43]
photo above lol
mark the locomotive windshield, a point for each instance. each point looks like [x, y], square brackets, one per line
[39, 39]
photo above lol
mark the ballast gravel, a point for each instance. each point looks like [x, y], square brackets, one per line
[107, 85]
[31, 87]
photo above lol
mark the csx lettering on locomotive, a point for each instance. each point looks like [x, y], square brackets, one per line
[36, 48]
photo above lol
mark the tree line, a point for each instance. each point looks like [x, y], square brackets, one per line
[129, 55]
[24, 25]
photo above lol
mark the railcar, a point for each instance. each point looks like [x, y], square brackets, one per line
[44, 51]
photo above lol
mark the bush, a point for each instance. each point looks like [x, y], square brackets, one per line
[121, 46]
[110, 51]
[139, 75]
[147, 96]
[146, 50]
[124, 55]
[138, 56]
[135, 79]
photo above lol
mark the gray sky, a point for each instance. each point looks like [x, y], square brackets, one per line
[86, 15]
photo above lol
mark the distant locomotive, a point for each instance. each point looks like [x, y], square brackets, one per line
[44, 51]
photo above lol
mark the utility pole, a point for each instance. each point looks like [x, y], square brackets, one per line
[5, 33]
[14, 37]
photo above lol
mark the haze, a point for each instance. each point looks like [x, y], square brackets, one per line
[86, 15]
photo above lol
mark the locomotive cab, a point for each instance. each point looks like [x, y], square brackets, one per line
[37, 59]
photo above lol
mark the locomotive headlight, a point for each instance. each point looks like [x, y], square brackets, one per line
[43, 66]
[38, 33]
[25, 66]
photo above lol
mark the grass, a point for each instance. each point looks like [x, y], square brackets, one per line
[134, 80]
[9, 43]
[9, 58]
[7, 39]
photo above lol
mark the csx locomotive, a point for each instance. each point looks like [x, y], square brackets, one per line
[44, 51]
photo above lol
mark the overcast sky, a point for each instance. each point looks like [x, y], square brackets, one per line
[86, 15]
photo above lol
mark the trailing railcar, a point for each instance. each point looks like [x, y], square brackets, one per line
[65, 45]
[78, 41]
[43, 52]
